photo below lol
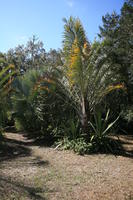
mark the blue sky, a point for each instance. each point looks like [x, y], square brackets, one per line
[20, 19]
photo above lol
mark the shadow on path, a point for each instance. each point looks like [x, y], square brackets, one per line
[16, 145]
[17, 159]
[19, 190]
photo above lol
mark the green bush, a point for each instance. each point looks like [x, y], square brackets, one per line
[82, 147]
[1, 137]
[79, 145]
[127, 114]
[126, 120]
[18, 125]
[24, 101]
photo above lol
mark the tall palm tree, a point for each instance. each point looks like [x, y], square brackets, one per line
[87, 73]
[77, 53]
[85, 78]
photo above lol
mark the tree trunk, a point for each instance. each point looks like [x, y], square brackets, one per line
[84, 117]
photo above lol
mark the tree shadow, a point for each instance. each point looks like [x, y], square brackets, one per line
[12, 148]
[9, 188]
[39, 162]
[121, 145]
[34, 138]
[39, 139]
[125, 145]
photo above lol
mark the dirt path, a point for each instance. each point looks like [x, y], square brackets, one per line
[30, 172]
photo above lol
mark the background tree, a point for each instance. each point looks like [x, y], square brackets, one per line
[36, 52]
[54, 58]
[116, 38]
[116, 34]
[31, 56]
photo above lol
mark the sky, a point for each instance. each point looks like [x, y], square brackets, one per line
[21, 19]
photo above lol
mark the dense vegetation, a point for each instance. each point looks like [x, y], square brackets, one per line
[75, 96]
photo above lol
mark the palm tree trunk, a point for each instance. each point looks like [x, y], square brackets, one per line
[84, 117]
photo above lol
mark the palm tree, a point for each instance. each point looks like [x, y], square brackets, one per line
[23, 99]
[6, 78]
[85, 78]
[77, 52]
[87, 73]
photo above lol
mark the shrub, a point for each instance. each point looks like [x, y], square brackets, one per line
[79, 145]
[127, 114]
[18, 125]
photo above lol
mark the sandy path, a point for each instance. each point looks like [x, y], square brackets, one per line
[29, 172]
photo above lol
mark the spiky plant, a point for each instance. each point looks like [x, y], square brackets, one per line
[6, 78]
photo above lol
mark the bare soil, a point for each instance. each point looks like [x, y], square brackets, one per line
[29, 171]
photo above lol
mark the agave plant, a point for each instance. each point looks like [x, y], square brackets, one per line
[101, 125]
[100, 132]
